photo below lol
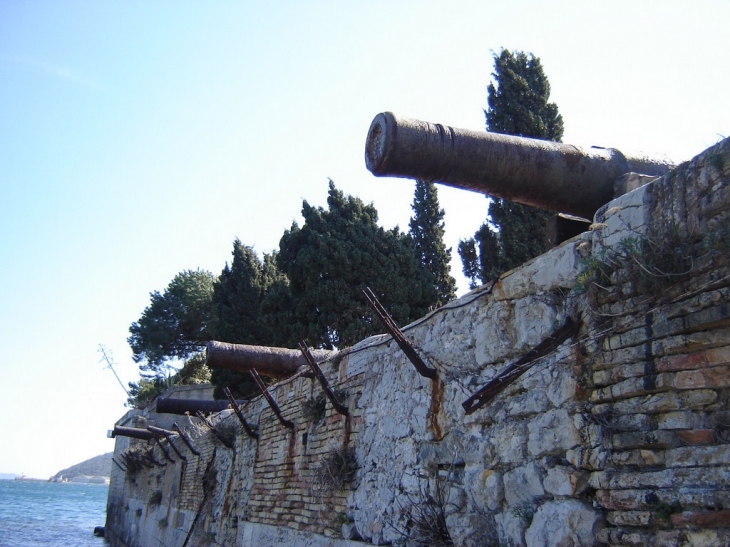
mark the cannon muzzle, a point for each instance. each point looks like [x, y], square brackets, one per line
[133, 432]
[559, 177]
[274, 362]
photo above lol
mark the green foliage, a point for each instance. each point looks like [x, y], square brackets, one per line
[193, 372]
[314, 409]
[175, 324]
[518, 105]
[311, 290]
[147, 390]
[652, 264]
[155, 498]
[331, 259]
[237, 297]
[427, 230]
[663, 510]
[525, 512]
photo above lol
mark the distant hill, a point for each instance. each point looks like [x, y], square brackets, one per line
[96, 466]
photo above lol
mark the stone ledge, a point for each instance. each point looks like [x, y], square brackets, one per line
[645, 499]
[668, 478]
[659, 403]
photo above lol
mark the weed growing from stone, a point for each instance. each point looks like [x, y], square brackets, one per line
[336, 470]
[210, 479]
[425, 517]
[525, 512]
[227, 432]
[663, 510]
[651, 263]
[314, 409]
[715, 160]
[722, 428]
[155, 498]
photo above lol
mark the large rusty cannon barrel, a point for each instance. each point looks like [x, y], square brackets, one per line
[274, 362]
[191, 406]
[559, 177]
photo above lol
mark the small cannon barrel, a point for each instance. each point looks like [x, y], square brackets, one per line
[559, 177]
[274, 362]
[183, 406]
[134, 432]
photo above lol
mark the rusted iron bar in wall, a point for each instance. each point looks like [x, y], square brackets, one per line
[234, 405]
[399, 337]
[129, 462]
[168, 435]
[270, 399]
[339, 407]
[151, 458]
[164, 450]
[185, 439]
[119, 465]
[222, 438]
[135, 460]
[518, 368]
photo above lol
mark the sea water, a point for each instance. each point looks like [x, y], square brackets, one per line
[50, 513]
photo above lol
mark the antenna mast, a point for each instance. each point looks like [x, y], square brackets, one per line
[106, 358]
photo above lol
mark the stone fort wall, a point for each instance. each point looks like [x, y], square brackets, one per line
[620, 435]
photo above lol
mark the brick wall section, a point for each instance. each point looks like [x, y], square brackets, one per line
[287, 462]
[661, 378]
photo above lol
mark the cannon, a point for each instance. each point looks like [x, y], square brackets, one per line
[273, 362]
[192, 406]
[133, 432]
[558, 177]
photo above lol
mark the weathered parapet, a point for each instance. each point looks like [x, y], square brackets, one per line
[620, 436]
[661, 372]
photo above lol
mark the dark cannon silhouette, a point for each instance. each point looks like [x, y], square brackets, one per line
[273, 362]
[558, 177]
[133, 432]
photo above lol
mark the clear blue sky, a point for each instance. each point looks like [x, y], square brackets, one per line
[138, 139]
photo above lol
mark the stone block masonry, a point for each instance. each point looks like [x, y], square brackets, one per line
[620, 436]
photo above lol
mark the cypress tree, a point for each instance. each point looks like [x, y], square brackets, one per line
[518, 105]
[427, 230]
[237, 296]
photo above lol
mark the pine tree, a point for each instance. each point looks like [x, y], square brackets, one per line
[175, 325]
[518, 105]
[331, 259]
[427, 230]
